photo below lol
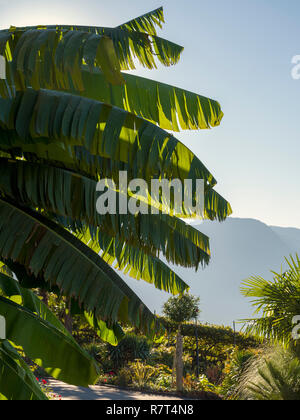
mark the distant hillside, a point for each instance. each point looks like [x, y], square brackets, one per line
[290, 236]
[240, 248]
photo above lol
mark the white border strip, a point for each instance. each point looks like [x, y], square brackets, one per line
[2, 328]
[2, 67]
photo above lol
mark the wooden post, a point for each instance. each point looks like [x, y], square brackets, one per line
[197, 351]
[68, 318]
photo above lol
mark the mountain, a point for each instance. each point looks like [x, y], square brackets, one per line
[241, 248]
[291, 236]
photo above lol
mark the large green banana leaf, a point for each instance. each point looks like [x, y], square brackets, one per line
[44, 119]
[216, 207]
[166, 156]
[44, 247]
[10, 288]
[95, 167]
[168, 106]
[55, 53]
[33, 185]
[4, 269]
[26, 279]
[111, 333]
[133, 261]
[139, 265]
[47, 346]
[17, 382]
[146, 23]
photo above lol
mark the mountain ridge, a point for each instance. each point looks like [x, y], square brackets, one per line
[241, 248]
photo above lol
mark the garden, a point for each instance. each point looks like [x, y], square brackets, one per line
[74, 123]
[197, 361]
[149, 365]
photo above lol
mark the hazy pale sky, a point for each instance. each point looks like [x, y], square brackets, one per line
[238, 52]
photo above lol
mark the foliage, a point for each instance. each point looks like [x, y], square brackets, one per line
[123, 378]
[143, 376]
[140, 373]
[213, 334]
[46, 343]
[182, 309]
[164, 380]
[132, 347]
[162, 353]
[22, 384]
[278, 300]
[274, 375]
[234, 369]
[47, 390]
[94, 350]
[191, 384]
[68, 118]
[219, 365]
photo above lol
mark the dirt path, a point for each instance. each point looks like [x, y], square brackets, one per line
[74, 393]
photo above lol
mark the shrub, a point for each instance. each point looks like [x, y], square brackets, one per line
[164, 381]
[124, 378]
[235, 367]
[162, 356]
[141, 374]
[274, 376]
[191, 384]
[93, 350]
[131, 348]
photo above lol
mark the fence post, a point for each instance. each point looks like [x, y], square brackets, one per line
[197, 350]
[234, 332]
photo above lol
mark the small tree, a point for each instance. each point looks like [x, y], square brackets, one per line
[179, 310]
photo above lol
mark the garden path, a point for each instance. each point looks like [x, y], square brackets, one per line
[74, 393]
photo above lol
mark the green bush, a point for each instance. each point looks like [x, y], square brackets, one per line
[162, 356]
[164, 381]
[94, 350]
[192, 384]
[141, 374]
[234, 370]
[131, 348]
[123, 379]
[273, 375]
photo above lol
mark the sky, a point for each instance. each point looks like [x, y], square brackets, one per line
[238, 52]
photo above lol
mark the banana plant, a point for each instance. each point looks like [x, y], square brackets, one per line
[31, 327]
[70, 117]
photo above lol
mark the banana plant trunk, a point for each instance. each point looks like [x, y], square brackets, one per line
[178, 361]
[44, 296]
[68, 320]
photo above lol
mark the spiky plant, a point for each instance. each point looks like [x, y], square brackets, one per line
[277, 301]
[273, 376]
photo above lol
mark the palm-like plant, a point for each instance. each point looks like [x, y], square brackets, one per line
[278, 302]
[68, 118]
[273, 376]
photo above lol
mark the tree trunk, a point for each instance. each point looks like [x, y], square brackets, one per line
[174, 370]
[44, 296]
[179, 361]
[68, 319]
